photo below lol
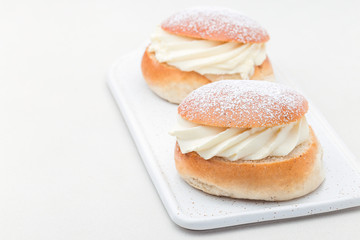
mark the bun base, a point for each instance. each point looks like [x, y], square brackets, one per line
[174, 85]
[270, 179]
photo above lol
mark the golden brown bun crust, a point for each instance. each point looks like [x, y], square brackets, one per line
[215, 24]
[174, 85]
[271, 179]
[169, 82]
[243, 104]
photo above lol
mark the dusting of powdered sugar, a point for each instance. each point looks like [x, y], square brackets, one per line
[243, 103]
[219, 24]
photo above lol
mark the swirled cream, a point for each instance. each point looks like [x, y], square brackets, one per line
[240, 143]
[205, 56]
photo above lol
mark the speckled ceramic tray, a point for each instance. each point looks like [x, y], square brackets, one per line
[149, 119]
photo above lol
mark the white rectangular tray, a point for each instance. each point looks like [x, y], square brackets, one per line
[149, 119]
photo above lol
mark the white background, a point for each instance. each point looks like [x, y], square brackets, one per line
[68, 166]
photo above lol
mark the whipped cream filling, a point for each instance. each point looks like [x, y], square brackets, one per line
[240, 143]
[205, 56]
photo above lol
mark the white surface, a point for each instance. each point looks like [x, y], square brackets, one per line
[68, 166]
[150, 118]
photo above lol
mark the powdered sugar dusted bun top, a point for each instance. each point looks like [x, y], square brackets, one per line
[218, 24]
[243, 104]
